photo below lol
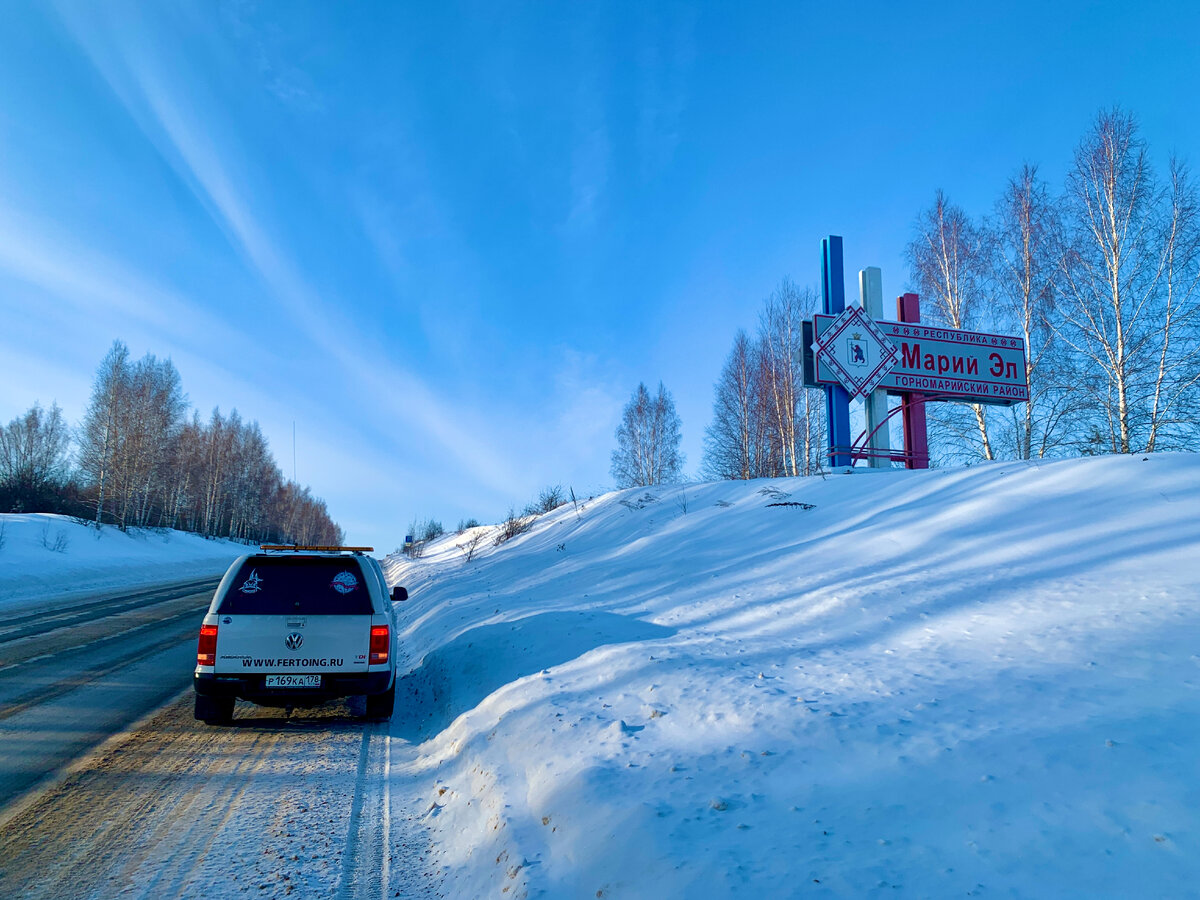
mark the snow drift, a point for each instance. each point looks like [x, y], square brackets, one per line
[44, 555]
[952, 682]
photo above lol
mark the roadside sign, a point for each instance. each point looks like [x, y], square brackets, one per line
[962, 365]
[854, 349]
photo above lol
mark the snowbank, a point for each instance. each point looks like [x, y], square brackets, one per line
[43, 555]
[953, 682]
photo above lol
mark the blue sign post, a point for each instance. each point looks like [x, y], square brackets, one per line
[837, 400]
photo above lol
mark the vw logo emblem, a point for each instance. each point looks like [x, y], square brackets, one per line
[293, 640]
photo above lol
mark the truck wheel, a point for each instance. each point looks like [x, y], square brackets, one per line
[379, 706]
[214, 710]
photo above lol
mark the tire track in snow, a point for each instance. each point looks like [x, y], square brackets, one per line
[189, 845]
[77, 869]
[178, 809]
[273, 807]
[365, 859]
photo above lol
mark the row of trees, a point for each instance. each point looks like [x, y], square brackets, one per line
[140, 461]
[765, 423]
[1100, 279]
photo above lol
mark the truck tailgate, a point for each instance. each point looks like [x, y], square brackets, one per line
[295, 644]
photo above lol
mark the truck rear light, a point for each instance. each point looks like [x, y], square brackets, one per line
[380, 644]
[206, 650]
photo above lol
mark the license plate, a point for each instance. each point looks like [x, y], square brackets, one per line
[294, 681]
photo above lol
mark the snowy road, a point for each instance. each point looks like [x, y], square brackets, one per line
[73, 674]
[274, 806]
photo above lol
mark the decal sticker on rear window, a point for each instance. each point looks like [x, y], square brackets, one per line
[251, 585]
[344, 582]
[296, 587]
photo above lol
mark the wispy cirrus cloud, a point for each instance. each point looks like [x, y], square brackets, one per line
[183, 121]
[91, 283]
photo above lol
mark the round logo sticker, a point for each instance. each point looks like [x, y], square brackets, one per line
[344, 582]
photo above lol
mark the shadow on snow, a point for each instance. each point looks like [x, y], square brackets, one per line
[455, 678]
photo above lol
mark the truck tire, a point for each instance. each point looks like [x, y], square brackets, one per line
[214, 710]
[379, 706]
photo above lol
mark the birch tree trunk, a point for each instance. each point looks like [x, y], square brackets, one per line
[1113, 269]
[949, 262]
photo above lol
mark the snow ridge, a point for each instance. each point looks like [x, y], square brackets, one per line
[929, 683]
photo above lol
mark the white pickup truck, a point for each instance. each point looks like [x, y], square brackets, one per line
[298, 626]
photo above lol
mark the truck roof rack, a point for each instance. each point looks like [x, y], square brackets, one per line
[316, 547]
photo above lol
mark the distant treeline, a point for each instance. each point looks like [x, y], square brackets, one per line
[138, 461]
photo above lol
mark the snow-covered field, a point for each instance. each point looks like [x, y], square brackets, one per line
[969, 682]
[45, 555]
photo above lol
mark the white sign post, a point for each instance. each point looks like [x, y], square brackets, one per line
[870, 293]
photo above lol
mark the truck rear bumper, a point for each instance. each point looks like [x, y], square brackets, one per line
[253, 687]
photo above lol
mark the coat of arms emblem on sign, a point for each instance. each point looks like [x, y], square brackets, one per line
[858, 350]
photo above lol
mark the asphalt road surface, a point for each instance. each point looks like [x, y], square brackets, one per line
[274, 806]
[72, 674]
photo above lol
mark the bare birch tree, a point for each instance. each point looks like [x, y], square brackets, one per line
[1175, 410]
[765, 423]
[735, 440]
[948, 260]
[948, 263]
[153, 413]
[100, 434]
[1129, 285]
[33, 457]
[648, 440]
[780, 326]
[1024, 236]
[183, 467]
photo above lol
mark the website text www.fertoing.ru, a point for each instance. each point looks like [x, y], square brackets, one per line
[291, 663]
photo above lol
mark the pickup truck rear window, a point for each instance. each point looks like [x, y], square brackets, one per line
[293, 585]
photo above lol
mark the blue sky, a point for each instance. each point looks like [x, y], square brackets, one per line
[448, 240]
